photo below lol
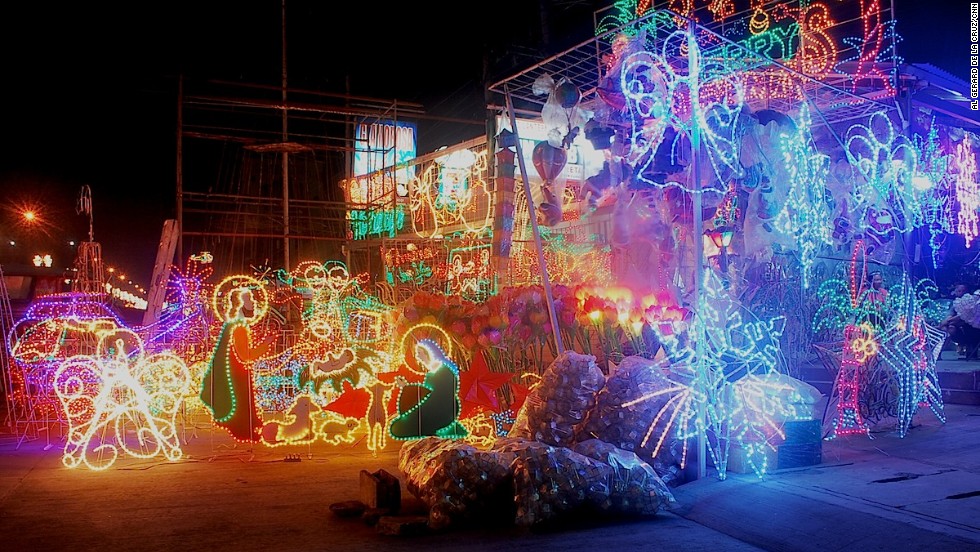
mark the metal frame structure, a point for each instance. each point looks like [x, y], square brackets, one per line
[582, 65]
[287, 157]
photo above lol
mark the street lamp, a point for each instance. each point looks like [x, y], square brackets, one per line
[722, 238]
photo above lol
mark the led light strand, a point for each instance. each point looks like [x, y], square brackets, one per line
[805, 213]
[659, 96]
[117, 392]
[967, 191]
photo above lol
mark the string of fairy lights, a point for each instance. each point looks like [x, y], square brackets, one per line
[365, 367]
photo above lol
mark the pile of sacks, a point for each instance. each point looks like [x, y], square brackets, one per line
[626, 415]
[547, 467]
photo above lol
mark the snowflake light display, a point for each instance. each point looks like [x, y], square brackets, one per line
[805, 214]
[732, 392]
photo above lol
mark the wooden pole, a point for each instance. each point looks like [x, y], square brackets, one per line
[180, 170]
[545, 279]
[285, 154]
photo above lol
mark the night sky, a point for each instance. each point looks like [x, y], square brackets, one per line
[89, 93]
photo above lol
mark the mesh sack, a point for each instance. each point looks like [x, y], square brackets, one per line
[626, 427]
[552, 481]
[456, 481]
[634, 486]
[557, 405]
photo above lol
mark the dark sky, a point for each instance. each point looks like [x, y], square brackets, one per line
[89, 97]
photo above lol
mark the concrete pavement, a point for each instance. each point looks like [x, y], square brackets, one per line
[921, 492]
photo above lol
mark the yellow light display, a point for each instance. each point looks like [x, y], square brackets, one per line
[228, 388]
[482, 430]
[121, 401]
[297, 428]
[226, 299]
[448, 198]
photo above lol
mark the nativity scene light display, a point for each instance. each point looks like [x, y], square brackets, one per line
[685, 207]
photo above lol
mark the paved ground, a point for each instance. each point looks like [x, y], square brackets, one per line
[886, 493]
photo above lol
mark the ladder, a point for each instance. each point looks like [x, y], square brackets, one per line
[6, 381]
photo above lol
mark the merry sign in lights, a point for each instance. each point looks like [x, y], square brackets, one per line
[800, 35]
[121, 401]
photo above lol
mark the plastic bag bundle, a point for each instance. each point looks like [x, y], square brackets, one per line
[455, 480]
[552, 481]
[558, 404]
[625, 427]
[966, 308]
[634, 486]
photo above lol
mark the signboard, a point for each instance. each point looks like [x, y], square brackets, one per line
[385, 144]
